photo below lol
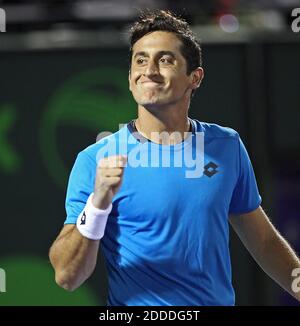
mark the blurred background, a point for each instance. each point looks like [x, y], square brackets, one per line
[63, 68]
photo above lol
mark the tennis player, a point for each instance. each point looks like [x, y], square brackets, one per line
[164, 232]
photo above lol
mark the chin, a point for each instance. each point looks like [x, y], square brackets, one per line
[154, 101]
[151, 99]
[151, 104]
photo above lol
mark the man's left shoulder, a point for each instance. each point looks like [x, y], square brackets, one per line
[213, 130]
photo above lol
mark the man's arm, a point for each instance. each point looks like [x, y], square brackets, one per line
[72, 255]
[270, 250]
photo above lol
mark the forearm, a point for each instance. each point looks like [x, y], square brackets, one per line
[73, 258]
[278, 260]
[74, 253]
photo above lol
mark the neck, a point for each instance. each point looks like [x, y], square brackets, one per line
[163, 126]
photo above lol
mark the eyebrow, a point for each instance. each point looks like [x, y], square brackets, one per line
[160, 53]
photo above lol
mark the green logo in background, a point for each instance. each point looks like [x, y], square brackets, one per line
[98, 100]
[10, 161]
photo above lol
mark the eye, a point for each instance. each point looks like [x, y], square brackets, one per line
[140, 61]
[166, 59]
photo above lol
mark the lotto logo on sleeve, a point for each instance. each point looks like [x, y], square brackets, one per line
[2, 20]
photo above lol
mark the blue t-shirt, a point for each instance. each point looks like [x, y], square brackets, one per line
[167, 237]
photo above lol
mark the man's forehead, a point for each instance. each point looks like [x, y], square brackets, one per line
[157, 41]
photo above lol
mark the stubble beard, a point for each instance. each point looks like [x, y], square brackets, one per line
[148, 98]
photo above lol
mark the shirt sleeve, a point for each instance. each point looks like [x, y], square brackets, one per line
[80, 186]
[245, 197]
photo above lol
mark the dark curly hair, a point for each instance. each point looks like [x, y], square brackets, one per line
[161, 20]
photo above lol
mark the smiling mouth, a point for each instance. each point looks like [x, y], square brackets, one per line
[151, 83]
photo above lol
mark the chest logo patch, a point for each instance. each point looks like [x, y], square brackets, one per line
[210, 169]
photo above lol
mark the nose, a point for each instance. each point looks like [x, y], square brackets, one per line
[151, 69]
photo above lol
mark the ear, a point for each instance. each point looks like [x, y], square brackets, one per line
[197, 76]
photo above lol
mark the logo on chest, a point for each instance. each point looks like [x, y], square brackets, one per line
[210, 169]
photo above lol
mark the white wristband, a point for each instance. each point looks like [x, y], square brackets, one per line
[91, 221]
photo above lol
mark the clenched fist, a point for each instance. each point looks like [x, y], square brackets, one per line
[108, 180]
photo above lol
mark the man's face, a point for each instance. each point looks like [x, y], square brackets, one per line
[158, 74]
